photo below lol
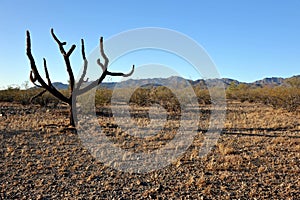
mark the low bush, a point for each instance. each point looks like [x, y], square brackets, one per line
[286, 97]
[278, 97]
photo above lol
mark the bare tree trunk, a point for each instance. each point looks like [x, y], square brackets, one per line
[72, 116]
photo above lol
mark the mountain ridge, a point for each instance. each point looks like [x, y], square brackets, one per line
[182, 82]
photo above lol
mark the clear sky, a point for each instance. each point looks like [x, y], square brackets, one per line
[246, 39]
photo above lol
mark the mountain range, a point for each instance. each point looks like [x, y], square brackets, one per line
[180, 82]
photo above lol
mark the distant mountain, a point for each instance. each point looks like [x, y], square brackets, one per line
[60, 86]
[57, 85]
[214, 82]
[274, 81]
[173, 81]
[179, 82]
[108, 85]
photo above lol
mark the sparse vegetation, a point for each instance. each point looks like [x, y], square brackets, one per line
[285, 97]
[256, 157]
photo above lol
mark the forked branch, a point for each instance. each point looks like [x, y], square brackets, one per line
[104, 67]
[66, 56]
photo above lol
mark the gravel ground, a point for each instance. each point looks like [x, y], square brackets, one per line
[41, 158]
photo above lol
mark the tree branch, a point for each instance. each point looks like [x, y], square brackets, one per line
[37, 95]
[100, 64]
[66, 58]
[103, 54]
[35, 76]
[120, 73]
[33, 79]
[85, 64]
[47, 73]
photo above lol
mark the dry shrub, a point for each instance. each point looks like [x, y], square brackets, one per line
[278, 97]
[24, 97]
[103, 97]
[202, 95]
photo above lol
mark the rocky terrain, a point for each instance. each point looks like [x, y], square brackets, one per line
[256, 157]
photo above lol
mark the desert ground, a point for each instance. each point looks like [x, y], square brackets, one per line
[257, 157]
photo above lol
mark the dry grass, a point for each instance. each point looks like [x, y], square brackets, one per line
[257, 157]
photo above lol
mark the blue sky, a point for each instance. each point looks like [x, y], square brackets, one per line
[247, 40]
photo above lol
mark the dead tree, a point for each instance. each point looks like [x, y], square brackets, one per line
[74, 89]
